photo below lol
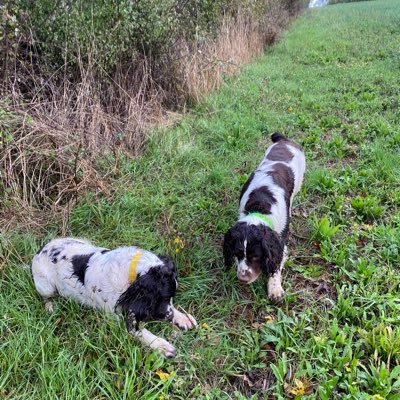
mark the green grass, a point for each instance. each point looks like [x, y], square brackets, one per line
[332, 83]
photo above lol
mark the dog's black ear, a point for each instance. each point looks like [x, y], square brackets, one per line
[273, 248]
[228, 248]
[169, 267]
[138, 301]
[149, 296]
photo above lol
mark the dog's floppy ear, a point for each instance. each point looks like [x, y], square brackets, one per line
[228, 248]
[147, 297]
[273, 248]
[138, 301]
[169, 266]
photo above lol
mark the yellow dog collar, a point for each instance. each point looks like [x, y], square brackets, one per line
[133, 267]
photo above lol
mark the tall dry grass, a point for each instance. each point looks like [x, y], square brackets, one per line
[59, 128]
[204, 66]
[51, 153]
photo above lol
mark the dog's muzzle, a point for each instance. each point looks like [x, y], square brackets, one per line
[246, 273]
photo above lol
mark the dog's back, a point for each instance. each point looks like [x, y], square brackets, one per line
[286, 152]
[271, 187]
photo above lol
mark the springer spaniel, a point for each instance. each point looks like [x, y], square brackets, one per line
[133, 282]
[258, 240]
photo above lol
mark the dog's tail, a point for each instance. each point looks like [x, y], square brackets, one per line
[277, 136]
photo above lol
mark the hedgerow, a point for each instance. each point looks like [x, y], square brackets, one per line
[84, 80]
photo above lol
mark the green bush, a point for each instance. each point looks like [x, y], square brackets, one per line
[107, 31]
[110, 32]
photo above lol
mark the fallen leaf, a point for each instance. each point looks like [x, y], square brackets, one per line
[299, 389]
[368, 228]
[213, 338]
[269, 319]
[163, 375]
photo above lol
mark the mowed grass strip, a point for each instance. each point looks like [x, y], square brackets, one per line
[332, 83]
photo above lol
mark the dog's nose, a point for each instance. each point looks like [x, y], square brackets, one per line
[244, 275]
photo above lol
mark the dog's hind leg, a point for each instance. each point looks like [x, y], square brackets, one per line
[48, 305]
[42, 271]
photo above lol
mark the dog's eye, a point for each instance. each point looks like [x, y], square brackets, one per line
[239, 254]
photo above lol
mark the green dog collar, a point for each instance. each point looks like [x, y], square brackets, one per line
[264, 217]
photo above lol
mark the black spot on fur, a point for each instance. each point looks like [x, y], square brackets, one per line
[148, 298]
[54, 253]
[283, 176]
[246, 186]
[79, 266]
[280, 152]
[169, 265]
[105, 251]
[260, 200]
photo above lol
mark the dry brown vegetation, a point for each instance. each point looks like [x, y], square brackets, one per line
[205, 66]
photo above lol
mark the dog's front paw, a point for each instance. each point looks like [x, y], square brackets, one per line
[166, 348]
[184, 321]
[48, 306]
[276, 294]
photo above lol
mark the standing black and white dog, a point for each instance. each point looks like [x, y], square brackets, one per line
[258, 240]
[133, 282]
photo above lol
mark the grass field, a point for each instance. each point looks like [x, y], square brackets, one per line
[333, 84]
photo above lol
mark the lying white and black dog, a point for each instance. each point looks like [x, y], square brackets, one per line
[258, 240]
[130, 281]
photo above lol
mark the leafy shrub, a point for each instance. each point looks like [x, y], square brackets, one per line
[368, 207]
[108, 31]
[323, 229]
[112, 32]
[385, 341]
[321, 180]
